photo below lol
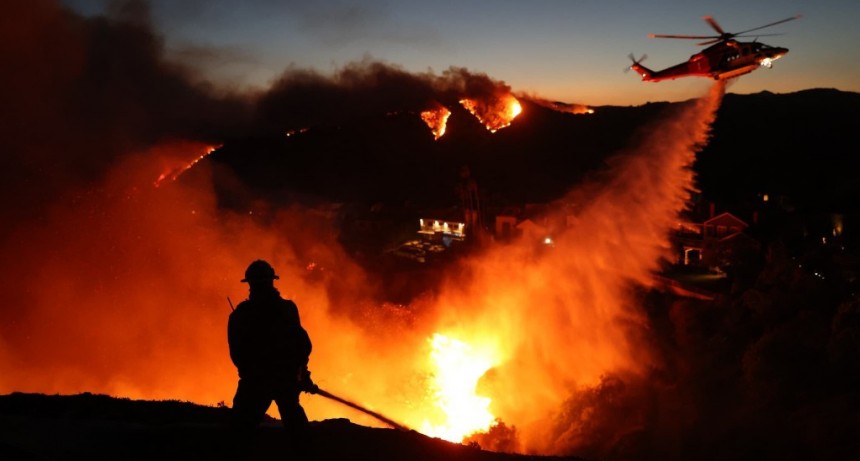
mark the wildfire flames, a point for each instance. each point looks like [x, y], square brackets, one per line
[177, 166]
[494, 114]
[436, 120]
[457, 368]
[559, 106]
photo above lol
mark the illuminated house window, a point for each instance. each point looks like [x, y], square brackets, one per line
[435, 227]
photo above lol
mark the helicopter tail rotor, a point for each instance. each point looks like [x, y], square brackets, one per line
[644, 72]
[635, 61]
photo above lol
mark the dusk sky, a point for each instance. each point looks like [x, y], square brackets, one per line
[568, 50]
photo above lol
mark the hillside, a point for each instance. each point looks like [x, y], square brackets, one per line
[798, 145]
[794, 144]
[88, 426]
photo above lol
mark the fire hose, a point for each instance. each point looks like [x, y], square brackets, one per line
[360, 408]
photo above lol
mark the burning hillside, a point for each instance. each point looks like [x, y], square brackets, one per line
[437, 120]
[303, 98]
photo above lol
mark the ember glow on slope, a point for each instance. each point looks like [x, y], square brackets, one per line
[572, 51]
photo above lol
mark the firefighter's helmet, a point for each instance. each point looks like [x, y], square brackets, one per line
[259, 270]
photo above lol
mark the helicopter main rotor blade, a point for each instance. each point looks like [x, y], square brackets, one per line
[724, 36]
[713, 23]
[698, 37]
[720, 39]
[768, 25]
[759, 35]
[710, 42]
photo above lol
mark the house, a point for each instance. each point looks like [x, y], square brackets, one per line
[441, 230]
[723, 225]
[531, 230]
[712, 243]
[510, 227]
[506, 226]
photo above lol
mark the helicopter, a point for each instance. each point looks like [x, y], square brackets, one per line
[726, 57]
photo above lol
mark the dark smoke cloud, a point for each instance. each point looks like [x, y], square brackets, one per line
[302, 97]
[80, 92]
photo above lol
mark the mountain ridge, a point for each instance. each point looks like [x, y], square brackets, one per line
[393, 158]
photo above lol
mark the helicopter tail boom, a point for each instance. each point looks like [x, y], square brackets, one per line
[645, 72]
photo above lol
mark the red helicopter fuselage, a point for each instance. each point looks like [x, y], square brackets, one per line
[721, 61]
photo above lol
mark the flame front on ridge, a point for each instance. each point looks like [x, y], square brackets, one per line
[436, 120]
[173, 172]
[495, 114]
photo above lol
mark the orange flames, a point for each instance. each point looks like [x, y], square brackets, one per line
[457, 368]
[495, 114]
[296, 132]
[176, 166]
[436, 120]
[559, 106]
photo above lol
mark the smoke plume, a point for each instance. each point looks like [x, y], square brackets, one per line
[81, 92]
[300, 97]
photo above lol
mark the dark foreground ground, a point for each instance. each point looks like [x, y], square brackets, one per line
[99, 427]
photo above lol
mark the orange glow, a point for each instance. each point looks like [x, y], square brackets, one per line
[494, 114]
[296, 132]
[559, 106]
[516, 332]
[176, 166]
[436, 120]
[458, 367]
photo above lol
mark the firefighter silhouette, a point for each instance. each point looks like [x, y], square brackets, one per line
[270, 349]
